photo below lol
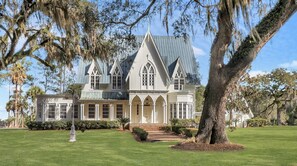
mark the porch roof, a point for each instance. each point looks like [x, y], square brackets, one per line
[100, 95]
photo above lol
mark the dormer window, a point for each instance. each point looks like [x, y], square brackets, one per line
[148, 73]
[116, 79]
[95, 78]
[179, 80]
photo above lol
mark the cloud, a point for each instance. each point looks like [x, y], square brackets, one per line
[256, 72]
[198, 51]
[292, 64]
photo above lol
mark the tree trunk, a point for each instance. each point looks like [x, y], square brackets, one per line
[16, 107]
[212, 123]
[231, 118]
[221, 76]
[279, 108]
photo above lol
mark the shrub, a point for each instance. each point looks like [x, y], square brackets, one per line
[186, 132]
[176, 129]
[184, 122]
[187, 123]
[112, 124]
[166, 129]
[123, 122]
[140, 133]
[66, 125]
[256, 122]
[174, 121]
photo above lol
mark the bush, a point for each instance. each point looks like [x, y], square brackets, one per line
[140, 133]
[186, 132]
[187, 123]
[184, 122]
[176, 129]
[174, 121]
[123, 122]
[256, 122]
[166, 129]
[66, 125]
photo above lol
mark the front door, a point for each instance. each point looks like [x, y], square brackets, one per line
[147, 114]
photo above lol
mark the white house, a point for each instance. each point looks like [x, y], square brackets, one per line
[152, 83]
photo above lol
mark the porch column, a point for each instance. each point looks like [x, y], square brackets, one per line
[166, 114]
[57, 110]
[187, 111]
[111, 111]
[154, 113]
[82, 111]
[43, 111]
[97, 111]
[182, 107]
[141, 120]
[177, 110]
[130, 112]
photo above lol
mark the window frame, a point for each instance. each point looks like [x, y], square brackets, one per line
[116, 79]
[119, 112]
[148, 75]
[51, 113]
[105, 112]
[91, 111]
[95, 79]
[179, 80]
[64, 115]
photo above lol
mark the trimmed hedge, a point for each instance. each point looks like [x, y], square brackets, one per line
[184, 122]
[141, 133]
[256, 122]
[66, 125]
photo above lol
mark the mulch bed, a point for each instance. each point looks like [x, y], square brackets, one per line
[191, 146]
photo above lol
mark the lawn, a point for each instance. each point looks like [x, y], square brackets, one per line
[264, 146]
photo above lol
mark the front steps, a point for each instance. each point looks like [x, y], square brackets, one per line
[163, 136]
[154, 132]
[147, 126]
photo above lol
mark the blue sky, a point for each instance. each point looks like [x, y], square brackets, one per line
[280, 51]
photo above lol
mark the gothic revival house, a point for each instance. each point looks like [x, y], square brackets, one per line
[153, 83]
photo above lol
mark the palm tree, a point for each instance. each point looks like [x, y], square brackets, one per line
[18, 76]
[10, 106]
[32, 94]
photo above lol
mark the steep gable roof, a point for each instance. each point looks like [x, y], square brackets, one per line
[169, 48]
[148, 36]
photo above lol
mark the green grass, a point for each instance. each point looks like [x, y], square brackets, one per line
[264, 146]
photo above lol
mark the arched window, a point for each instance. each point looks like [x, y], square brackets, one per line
[95, 78]
[179, 80]
[148, 73]
[116, 79]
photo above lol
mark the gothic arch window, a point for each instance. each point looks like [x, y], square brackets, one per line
[95, 77]
[179, 80]
[148, 75]
[116, 79]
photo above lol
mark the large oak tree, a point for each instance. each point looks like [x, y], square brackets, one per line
[232, 50]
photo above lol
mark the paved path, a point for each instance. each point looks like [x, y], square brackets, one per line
[163, 136]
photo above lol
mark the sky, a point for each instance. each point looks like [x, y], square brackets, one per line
[280, 51]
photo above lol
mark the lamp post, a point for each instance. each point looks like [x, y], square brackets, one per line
[72, 131]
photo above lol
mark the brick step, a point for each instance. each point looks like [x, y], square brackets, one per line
[163, 136]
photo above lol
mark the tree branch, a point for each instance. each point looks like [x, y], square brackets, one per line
[6, 31]
[221, 41]
[132, 24]
[205, 6]
[266, 29]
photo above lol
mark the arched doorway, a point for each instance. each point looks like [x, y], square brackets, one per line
[148, 110]
[136, 110]
[160, 110]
